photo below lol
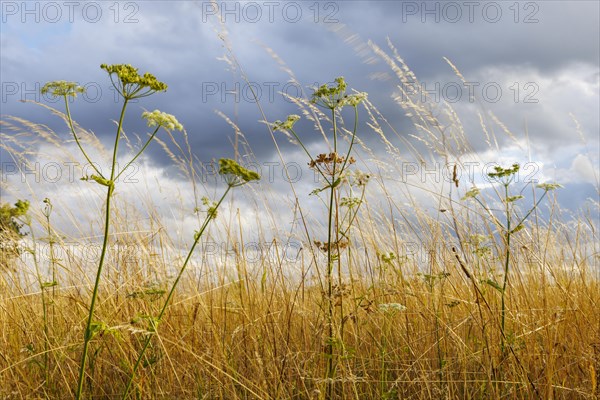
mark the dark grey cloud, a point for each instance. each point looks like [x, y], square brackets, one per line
[179, 42]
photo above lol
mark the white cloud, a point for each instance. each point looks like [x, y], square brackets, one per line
[582, 170]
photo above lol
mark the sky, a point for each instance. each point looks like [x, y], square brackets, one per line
[533, 64]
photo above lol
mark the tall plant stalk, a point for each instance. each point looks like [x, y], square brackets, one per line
[332, 167]
[234, 176]
[88, 333]
[513, 224]
[130, 85]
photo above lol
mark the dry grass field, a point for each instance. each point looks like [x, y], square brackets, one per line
[420, 302]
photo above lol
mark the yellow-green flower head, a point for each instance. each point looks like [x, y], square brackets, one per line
[330, 96]
[549, 186]
[472, 193]
[159, 118]
[326, 91]
[62, 88]
[235, 174]
[353, 99]
[287, 125]
[500, 172]
[131, 83]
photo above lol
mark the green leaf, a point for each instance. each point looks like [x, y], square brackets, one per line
[318, 190]
[517, 229]
[511, 199]
[287, 124]
[102, 181]
[493, 284]
[96, 327]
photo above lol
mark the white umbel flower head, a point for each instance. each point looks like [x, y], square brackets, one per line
[159, 118]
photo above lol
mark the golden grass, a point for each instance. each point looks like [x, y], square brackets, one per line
[238, 340]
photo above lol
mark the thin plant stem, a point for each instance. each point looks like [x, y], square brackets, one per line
[155, 321]
[310, 157]
[109, 191]
[70, 121]
[43, 300]
[330, 361]
[506, 266]
[138, 153]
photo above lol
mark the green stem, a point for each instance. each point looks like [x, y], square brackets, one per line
[344, 233]
[70, 120]
[506, 266]
[310, 157]
[533, 208]
[330, 363]
[171, 292]
[87, 333]
[52, 259]
[118, 136]
[354, 214]
[138, 153]
[351, 140]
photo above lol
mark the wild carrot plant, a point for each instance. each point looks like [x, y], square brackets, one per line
[333, 168]
[130, 85]
[512, 224]
[234, 175]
